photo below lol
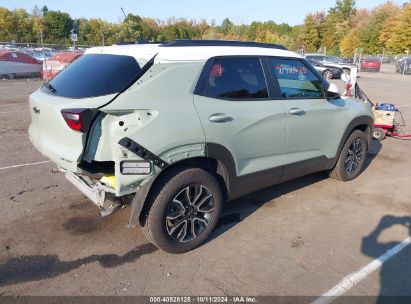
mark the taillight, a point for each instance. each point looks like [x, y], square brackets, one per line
[74, 118]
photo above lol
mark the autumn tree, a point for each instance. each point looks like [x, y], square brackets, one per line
[397, 31]
[310, 36]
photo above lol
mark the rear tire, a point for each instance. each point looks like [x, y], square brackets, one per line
[185, 210]
[378, 134]
[328, 74]
[10, 76]
[352, 156]
[346, 71]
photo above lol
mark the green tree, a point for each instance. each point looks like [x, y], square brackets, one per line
[58, 26]
[226, 26]
[344, 8]
[371, 31]
[400, 39]
[310, 36]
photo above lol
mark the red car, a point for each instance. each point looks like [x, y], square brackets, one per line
[372, 64]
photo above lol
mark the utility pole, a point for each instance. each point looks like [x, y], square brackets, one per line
[123, 13]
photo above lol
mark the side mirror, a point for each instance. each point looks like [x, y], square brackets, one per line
[333, 91]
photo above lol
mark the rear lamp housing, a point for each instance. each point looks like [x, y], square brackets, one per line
[135, 167]
[78, 119]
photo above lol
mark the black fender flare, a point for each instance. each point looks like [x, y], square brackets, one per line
[353, 125]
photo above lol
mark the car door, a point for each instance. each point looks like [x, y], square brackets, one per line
[313, 123]
[238, 113]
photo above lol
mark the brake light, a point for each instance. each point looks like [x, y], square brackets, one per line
[74, 118]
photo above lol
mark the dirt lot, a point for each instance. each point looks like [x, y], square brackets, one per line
[298, 238]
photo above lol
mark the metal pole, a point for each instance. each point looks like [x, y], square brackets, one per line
[382, 58]
[44, 55]
[355, 55]
[406, 62]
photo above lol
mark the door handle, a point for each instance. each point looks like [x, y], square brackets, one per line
[296, 111]
[220, 118]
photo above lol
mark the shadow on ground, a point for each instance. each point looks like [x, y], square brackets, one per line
[37, 267]
[395, 272]
[239, 209]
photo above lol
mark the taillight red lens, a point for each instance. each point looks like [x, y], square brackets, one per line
[74, 118]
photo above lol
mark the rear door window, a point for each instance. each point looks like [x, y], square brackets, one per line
[94, 75]
[236, 78]
[295, 79]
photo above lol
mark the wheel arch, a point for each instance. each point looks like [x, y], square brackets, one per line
[363, 123]
[145, 195]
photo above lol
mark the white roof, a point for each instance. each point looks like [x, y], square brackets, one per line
[186, 53]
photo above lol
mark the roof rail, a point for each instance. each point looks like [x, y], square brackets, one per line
[188, 42]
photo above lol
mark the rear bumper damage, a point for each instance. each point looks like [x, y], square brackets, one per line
[101, 196]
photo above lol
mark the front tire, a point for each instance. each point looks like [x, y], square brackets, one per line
[352, 156]
[328, 74]
[346, 71]
[185, 210]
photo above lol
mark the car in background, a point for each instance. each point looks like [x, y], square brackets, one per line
[329, 72]
[403, 65]
[42, 55]
[58, 62]
[347, 60]
[332, 61]
[370, 64]
[18, 64]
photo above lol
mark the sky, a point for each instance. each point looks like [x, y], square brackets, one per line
[239, 12]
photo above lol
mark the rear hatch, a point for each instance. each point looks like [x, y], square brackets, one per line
[63, 109]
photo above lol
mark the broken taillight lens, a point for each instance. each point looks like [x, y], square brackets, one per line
[74, 118]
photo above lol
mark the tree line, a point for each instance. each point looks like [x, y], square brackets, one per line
[339, 31]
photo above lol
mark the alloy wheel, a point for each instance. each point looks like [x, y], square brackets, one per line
[328, 74]
[189, 213]
[354, 157]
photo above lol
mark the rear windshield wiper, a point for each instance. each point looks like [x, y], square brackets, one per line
[49, 87]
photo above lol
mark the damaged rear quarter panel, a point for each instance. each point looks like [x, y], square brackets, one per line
[158, 113]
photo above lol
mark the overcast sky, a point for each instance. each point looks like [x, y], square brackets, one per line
[239, 11]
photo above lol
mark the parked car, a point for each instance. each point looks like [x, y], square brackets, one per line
[347, 60]
[18, 64]
[175, 130]
[329, 72]
[332, 61]
[371, 64]
[403, 65]
[59, 61]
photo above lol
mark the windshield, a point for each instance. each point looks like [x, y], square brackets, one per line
[94, 75]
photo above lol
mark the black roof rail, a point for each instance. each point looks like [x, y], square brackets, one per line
[189, 42]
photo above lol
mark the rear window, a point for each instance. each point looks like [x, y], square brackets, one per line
[95, 75]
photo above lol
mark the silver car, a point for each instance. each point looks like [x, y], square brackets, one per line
[332, 61]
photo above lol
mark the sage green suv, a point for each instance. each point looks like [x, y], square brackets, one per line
[175, 130]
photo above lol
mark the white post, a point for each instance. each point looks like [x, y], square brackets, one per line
[44, 67]
[406, 62]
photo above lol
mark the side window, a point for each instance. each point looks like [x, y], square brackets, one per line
[236, 78]
[295, 80]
